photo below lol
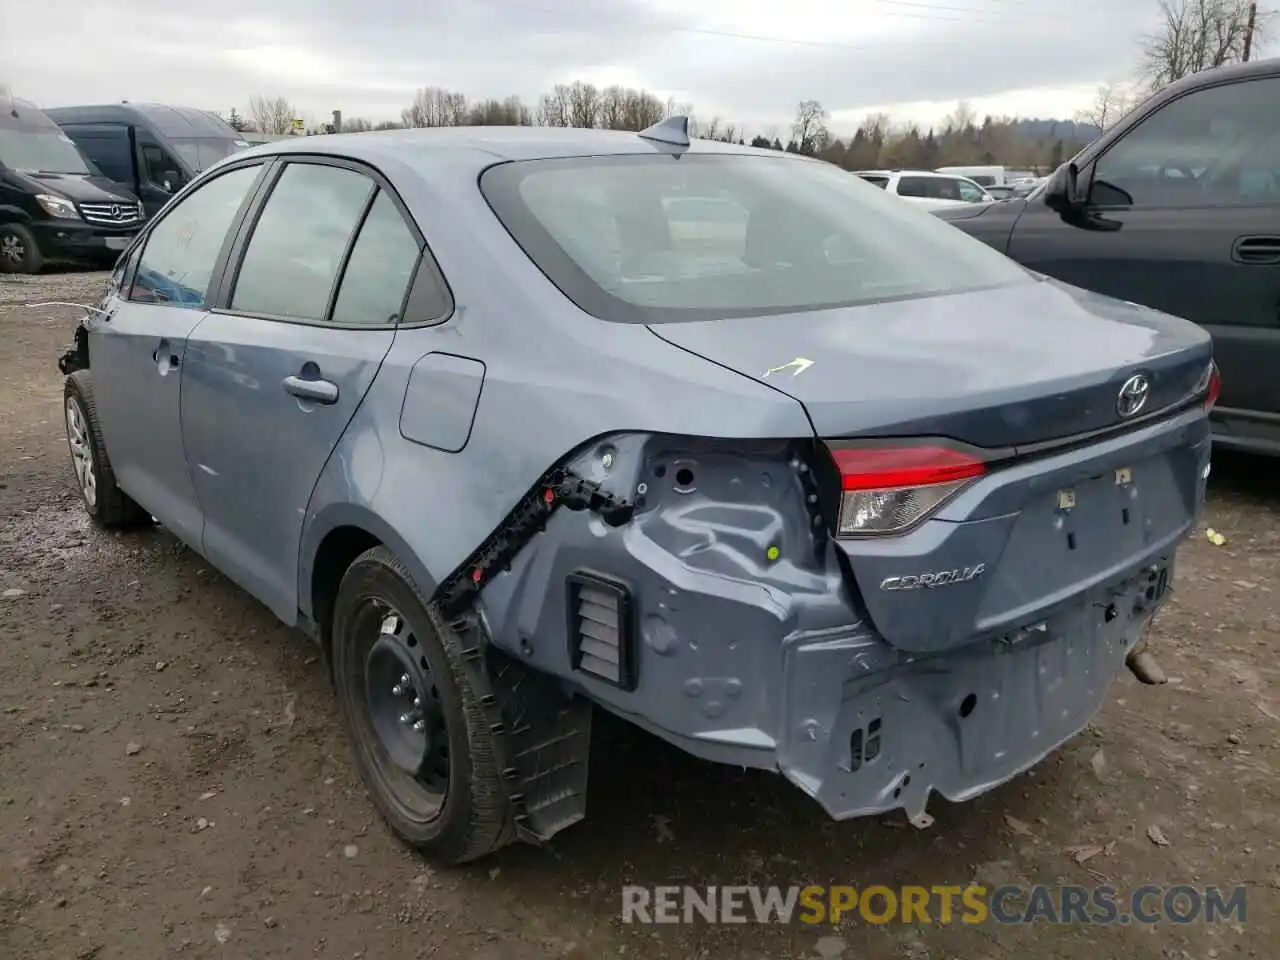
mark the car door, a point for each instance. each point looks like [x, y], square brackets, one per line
[274, 376]
[138, 341]
[1184, 216]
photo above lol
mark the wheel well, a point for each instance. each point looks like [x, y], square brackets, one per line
[337, 550]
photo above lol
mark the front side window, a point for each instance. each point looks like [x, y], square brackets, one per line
[377, 276]
[1218, 146]
[880, 182]
[182, 249]
[970, 192]
[200, 153]
[300, 239]
[160, 168]
[772, 235]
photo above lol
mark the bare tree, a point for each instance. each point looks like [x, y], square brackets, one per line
[500, 113]
[584, 104]
[272, 115]
[809, 129]
[1112, 102]
[435, 107]
[960, 120]
[554, 108]
[1196, 35]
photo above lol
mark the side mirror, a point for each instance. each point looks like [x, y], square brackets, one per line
[1061, 191]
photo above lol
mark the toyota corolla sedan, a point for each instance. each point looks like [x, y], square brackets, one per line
[522, 423]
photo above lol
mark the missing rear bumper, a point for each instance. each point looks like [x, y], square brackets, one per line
[959, 723]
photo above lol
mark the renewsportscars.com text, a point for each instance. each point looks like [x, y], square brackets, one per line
[973, 904]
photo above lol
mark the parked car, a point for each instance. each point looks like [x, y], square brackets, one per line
[1178, 208]
[930, 190]
[847, 495]
[990, 175]
[53, 206]
[153, 147]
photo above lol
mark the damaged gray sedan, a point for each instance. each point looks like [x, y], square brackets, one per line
[520, 423]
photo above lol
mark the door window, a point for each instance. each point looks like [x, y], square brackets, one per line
[913, 186]
[377, 276]
[182, 249]
[880, 182]
[160, 169]
[1213, 147]
[970, 192]
[299, 242]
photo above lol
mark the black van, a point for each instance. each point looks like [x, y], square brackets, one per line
[54, 206]
[1177, 207]
[152, 147]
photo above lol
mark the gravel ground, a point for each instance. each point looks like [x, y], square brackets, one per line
[173, 780]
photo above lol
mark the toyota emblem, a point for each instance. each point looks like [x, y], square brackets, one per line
[115, 210]
[1133, 395]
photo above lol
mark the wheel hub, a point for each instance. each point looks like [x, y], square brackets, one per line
[12, 248]
[81, 452]
[404, 705]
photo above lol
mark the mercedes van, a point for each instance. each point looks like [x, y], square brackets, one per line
[152, 147]
[55, 206]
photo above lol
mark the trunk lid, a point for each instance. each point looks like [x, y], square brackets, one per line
[1006, 370]
[998, 368]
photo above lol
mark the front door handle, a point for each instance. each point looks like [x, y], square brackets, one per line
[1264, 250]
[318, 391]
[165, 359]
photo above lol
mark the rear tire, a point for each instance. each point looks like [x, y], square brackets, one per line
[432, 770]
[104, 501]
[19, 252]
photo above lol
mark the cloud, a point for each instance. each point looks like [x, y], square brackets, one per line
[366, 57]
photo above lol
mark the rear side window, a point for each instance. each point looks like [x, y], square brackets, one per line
[915, 186]
[182, 249]
[292, 259]
[655, 238]
[377, 276]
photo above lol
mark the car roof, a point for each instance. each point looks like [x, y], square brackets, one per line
[909, 173]
[169, 121]
[420, 148]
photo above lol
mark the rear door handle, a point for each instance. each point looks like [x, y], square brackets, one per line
[318, 391]
[1256, 250]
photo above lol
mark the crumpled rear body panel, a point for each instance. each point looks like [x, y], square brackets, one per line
[751, 645]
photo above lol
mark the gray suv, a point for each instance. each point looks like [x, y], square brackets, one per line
[522, 423]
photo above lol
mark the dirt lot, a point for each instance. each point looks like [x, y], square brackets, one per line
[173, 780]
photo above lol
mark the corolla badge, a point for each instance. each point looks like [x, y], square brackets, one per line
[1133, 395]
[938, 578]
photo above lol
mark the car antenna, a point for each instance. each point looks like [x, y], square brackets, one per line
[673, 130]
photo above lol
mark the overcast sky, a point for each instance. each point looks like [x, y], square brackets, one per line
[913, 58]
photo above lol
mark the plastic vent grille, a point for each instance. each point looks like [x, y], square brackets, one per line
[600, 629]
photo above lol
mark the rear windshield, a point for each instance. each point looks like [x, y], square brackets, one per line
[659, 238]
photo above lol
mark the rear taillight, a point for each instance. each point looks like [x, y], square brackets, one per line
[888, 490]
[1215, 387]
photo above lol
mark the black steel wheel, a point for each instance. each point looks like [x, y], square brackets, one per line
[423, 743]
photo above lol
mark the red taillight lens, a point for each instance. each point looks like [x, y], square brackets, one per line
[887, 490]
[1215, 387]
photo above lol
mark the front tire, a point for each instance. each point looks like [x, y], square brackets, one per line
[19, 252]
[424, 744]
[104, 501]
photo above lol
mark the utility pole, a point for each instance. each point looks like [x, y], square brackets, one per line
[1248, 32]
